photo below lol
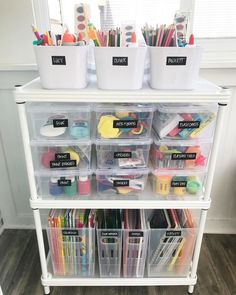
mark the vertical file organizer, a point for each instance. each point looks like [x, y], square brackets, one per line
[114, 269]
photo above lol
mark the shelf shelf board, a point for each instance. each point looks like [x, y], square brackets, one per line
[205, 92]
[93, 203]
[162, 281]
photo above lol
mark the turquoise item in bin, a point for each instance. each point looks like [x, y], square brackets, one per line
[79, 129]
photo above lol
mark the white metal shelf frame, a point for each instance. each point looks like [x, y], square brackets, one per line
[206, 93]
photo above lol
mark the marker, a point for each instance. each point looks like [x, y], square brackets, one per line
[36, 33]
[191, 41]
[133, 42]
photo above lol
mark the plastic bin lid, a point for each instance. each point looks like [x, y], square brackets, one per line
[66, 143]
[63, 173]
[118, 171]
[54, 107]
[179, 142]
[122, 142]
[159, 172]
[124, 107]
[186, 108]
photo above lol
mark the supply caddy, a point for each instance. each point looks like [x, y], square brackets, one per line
[182, 271]
[62, 67]
[174, 67]
[120, 68]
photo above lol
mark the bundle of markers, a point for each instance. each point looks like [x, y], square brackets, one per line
[66, 39]
[163, 36]
[112, 38]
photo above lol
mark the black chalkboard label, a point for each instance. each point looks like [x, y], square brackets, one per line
[62, 156]
[122, 155]
[60, 123]
[109, 233]
[61, 164]
[59, 60]
[176, 60]
[70, 232]
[136, 234]
[189, 124]
[125, 123]
[121, 182]
[120, 60]
[183, 156]
[64, 182]
[178, 183]
[173, 233]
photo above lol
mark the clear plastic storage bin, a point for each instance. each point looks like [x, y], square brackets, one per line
[123, 182]
[185, 121]
[109, 243]
[123, 120]
[178, 184]
[63, 184]
[120, 68]
[122, 154]
[62, 67]
[174, 67]
[63, 155]
[53, 121]
[72, 251]
[177, 154]
[135, 243]
[170, 250]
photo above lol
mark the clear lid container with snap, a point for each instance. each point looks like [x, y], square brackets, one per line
[178, 184]
[122, 153]
[123, 182]
[123, 120]
[65, 155]
[63, 184]
[57, 121]
[180, 154]
[185, 121]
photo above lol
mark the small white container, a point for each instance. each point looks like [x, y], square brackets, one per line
[62, 67]
[174, 67]
[122, 153]
[120, 68]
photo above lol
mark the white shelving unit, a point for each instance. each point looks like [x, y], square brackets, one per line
[205, 92]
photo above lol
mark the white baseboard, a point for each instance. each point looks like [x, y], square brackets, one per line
[220, 226]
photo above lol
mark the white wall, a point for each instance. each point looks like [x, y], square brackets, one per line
[15, 30]
[14, 191]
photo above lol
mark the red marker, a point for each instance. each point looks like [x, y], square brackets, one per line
[191, 41]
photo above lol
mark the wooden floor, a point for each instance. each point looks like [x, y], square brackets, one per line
[20, 269]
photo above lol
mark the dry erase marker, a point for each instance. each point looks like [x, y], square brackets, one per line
[133, 43]
[191, 41]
